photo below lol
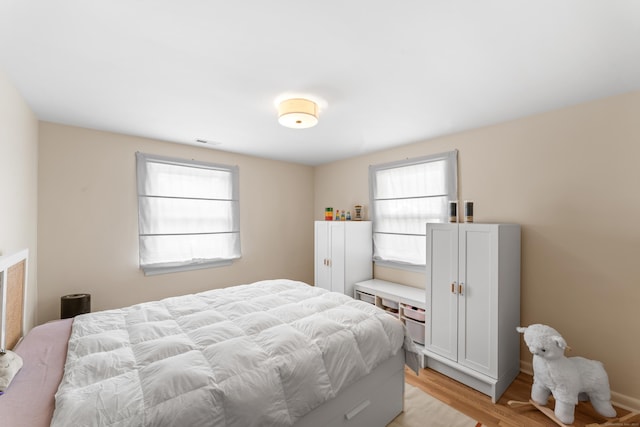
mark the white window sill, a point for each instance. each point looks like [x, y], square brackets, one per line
[155, 270]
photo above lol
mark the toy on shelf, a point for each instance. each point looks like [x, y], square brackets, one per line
[358, 215]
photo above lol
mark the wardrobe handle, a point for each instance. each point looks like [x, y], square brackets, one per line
[460, 288]
[453, 287]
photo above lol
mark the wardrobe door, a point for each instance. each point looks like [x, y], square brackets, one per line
[322, 270]
[442, 290]
[477, 298]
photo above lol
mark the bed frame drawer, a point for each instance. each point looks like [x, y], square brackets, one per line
[374, 401]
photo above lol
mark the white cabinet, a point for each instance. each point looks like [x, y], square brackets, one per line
[473, 304]
[343, 254]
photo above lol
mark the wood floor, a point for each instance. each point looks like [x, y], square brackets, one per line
[479, 407]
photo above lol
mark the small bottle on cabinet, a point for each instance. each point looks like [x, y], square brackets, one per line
[453, 211]
[468, 211]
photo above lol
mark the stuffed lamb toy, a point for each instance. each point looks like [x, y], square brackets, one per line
[567, 378]
[10, 364]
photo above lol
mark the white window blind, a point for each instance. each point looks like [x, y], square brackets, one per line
[188, 214]
[405, 195]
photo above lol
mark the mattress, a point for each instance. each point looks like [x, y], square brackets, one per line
[263, 354]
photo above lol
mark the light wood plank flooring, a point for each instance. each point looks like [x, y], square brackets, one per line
[479, 407]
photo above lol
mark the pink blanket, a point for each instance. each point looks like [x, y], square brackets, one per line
[29, 400]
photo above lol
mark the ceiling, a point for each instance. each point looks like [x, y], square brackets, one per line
[385, 73]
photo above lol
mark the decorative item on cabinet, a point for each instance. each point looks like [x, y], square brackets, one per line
[468, 211]
[358, 211]
[340, 215]
[453, 211]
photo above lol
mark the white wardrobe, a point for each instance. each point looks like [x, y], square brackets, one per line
[343, 254]
[473, 304]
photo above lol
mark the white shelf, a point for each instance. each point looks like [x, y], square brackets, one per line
[400, 297]
[393, 291]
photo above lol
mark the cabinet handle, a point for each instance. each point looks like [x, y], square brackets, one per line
[453, 287]
[460, 288]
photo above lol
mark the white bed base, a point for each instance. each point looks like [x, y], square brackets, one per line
[373, 401]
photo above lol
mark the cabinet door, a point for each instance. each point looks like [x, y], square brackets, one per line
[442, 289]
[337, 256]
[477, 300]
[322, 255]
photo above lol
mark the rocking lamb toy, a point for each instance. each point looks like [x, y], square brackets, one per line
[569, 379]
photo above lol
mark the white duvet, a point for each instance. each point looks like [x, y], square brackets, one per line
[263, 354]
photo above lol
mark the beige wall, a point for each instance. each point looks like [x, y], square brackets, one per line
[570, 178]
[18, 183]
[88, 226]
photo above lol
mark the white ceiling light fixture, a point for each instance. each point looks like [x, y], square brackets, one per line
[298, 113]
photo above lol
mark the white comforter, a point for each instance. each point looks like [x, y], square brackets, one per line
[253, 355]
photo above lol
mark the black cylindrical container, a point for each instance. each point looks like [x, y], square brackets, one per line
[72, 305]
[453, 211]
[468, 211]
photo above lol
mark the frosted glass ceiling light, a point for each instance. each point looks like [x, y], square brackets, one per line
[298, 113]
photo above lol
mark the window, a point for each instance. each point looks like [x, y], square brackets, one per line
[405, 195]
[188, 214]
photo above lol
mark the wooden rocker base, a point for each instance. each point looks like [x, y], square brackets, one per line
[547, 411]
[629, 420]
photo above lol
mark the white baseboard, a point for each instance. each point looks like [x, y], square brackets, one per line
[618, 399]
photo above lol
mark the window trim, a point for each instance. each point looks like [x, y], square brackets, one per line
[451, 157]
[154, 270]
[179, 266]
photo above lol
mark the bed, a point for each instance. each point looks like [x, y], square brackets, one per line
[271, 353]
